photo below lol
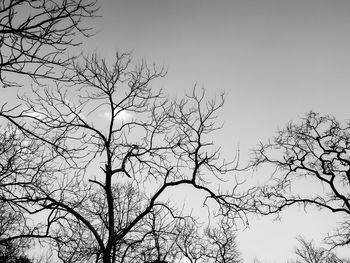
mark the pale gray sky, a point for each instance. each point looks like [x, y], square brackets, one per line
[275, 59]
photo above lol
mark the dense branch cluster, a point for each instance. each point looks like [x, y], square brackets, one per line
[110, 148]
[35, 35]
[317, 151]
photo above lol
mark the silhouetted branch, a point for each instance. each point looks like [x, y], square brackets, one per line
[35, 35]
[315, 151]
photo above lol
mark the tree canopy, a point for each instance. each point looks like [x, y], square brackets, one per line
[104, 151]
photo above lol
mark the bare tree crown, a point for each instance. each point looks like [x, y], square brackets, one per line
[315, 150]
[111, 147]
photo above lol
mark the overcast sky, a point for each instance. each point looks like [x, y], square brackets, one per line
[275, 59]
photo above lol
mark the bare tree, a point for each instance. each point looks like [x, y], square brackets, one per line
[112, 128]
[307, 252]
[11, 250]
[315, 151]
[214, 244]
[160, 244]
[20, 162]
[34, 35]
[222, 240]
[192, 243]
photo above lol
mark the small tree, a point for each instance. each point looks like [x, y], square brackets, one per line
[307, 252]
[110, 129]
[191, 243]
[11, 251]
[216, 244]
[315, 151]
[222, 240]
[34, 35]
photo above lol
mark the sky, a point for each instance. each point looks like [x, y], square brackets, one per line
[274, 59]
